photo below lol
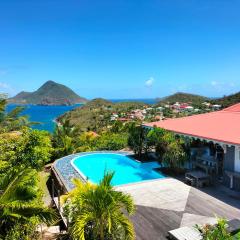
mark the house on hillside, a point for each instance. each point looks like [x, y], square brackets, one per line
[217, 141]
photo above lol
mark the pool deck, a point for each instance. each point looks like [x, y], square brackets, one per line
[167, 204]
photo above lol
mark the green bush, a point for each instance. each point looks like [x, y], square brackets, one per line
[111, 141]
[22, 231]
[31, 148]
[215, 232]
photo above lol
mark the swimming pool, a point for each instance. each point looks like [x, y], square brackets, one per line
[92, 167]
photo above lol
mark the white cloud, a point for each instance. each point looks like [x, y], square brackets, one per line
[214, 83]
[4, 85]
[149, 82]
[6, 88]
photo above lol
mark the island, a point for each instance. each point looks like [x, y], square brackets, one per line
[50, 93]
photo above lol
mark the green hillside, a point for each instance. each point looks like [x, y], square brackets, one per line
[50, 93]
[98, 103]
[183, 98]
[95, 114]
[227, 101]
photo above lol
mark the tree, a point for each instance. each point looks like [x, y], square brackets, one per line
[98, 211]
[31, 148]
[117, 127]
[64, 129]
[111, 141]
[86, 141]
[20, 200]
[156, 139]
[37, 148]
[63, 139]
[137, 140]
[168, 147]
[67, 146]
[174, 157]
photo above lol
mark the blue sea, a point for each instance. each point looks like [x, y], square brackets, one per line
[46, 115]
[43, 114]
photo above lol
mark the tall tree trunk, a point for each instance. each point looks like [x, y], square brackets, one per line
[101, 232]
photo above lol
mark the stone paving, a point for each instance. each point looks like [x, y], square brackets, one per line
[166, 204]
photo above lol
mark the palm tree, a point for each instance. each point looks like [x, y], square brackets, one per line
[63, 139]
[20, 200]
[137, 139]
[64, 129]
[98, 211]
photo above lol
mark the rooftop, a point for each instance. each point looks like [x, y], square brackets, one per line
[222, 126]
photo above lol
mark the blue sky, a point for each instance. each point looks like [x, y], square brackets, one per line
[121, 48]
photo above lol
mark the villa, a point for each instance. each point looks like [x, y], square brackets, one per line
[220, 131]
[166, 203]
[163, 203]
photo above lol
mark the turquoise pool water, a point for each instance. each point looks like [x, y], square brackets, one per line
[92, 166]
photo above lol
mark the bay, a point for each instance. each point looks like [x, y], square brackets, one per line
[45, 115]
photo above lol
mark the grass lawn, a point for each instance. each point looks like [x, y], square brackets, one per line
[43, 177]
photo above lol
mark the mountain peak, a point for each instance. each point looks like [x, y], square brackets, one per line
[50, 82]
[50, 93]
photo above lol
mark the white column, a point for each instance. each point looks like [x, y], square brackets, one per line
[237, 159]
[231, 181]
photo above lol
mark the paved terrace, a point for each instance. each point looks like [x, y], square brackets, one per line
[166, 204]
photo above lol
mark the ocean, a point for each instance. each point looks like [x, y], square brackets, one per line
[46, 115]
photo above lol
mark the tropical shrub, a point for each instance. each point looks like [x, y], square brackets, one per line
[99, 211]
[111, 141]
[24, 231]
[20, 202]
[63, 139]
[174, 156]
[155, 138]
[31, 148]
[137, 140]
[86, 141]
[169, 148]
[215, 232]
[34, 149]
[8, 144]
[117, 127]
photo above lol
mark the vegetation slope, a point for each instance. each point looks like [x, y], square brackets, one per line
[95, 115]
[227, 101]
[183, 97]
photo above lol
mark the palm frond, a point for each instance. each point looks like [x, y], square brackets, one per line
[77, 230]
[126, 225]
[107, 179]
[125, 201]
[15, 112]
[22, 182]
[101, 206]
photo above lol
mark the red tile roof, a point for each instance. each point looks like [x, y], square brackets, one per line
[221, 126]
